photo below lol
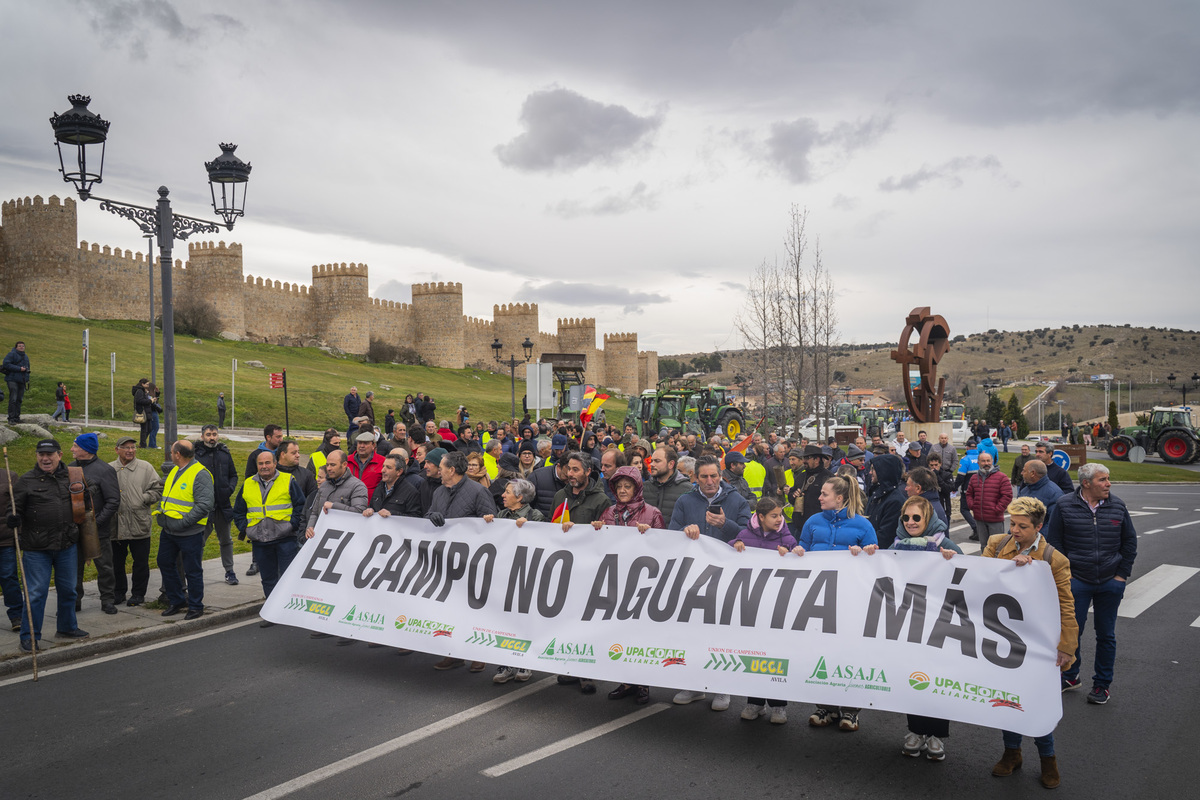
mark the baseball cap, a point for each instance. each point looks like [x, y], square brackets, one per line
[49, 446]
[124, 440]
[558, 442]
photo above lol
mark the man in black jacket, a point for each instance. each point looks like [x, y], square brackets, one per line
[1044, 452]
[1093, 529]
[548, 481]
[666, 484]
[214, 455]
[287, 458]
[394, 496]
[806, 488]
[49, 536]
[106, 499]
[887, 497]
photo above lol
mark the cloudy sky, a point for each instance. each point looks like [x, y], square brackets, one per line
[1011, 164]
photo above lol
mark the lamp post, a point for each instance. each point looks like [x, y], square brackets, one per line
[1183, 385]
[84, 129]
[512, 364]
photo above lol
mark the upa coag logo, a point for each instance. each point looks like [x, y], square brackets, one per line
[400, 620]
[971, 692]
[425, 627]
[919, 681]
[639, 654]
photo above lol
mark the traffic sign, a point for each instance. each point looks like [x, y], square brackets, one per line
[1061, 458]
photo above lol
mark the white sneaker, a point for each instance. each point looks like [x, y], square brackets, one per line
[504, 675]
[720, 702]
[523, 675]
[686, 696]
[752, 711]
[778, 715]
[914, 743]
[935, 750]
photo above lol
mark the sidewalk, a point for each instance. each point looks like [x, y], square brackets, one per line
[133, 627]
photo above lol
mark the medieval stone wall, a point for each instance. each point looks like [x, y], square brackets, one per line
[43, 268]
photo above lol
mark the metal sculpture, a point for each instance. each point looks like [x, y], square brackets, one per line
[925, 398]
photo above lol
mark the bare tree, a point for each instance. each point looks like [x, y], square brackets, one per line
[795, 301]
[755, 323]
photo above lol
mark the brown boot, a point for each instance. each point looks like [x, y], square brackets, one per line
[1011, 760]
[1050, 777]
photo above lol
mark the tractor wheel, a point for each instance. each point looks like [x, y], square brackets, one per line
[1119, 447]
[730, 425]
[1176, 446]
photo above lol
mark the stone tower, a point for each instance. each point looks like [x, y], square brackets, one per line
[216, 270]
[511, 324]
[647, 370]
[338, 292]
[39, 258]
[621, 362]
[440, 325]
[579, 336]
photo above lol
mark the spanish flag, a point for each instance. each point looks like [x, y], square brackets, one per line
[741, 446]
[594, 403]
[562, 513]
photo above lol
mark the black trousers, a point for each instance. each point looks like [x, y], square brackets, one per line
[928, 726]
[220, 418]
[16, 394]
[140, 550]
[104, 572]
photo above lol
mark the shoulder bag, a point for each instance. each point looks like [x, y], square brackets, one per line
[85, 518]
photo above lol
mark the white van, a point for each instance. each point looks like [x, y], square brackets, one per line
[960, 432]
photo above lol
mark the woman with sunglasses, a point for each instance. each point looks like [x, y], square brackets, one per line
[921, 529]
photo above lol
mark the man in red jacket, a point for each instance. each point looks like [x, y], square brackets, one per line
[366, 464]
[988, 495]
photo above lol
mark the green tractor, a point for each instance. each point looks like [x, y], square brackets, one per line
[683, 405]
[1170, 434]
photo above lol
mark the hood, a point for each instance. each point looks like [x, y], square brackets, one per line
[631, 473]
[889, 469]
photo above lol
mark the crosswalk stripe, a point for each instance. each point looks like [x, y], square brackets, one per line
[969, 548]
[1158, 508]
[1147, 533]
[1184, 524]
[571, 741]
[959, 527]
[1152, 587]
[1196, 624]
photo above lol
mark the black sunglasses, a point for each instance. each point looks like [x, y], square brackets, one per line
[913, 517]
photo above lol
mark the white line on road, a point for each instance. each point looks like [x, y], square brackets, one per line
[969, 548]
[1152, 587]
[1147, 533]
[91, 662]
[572, 741]
[1192, 494]
[959, 527]
[1196, 624]
[1184, 524]
[412, 737]
[1158, 508]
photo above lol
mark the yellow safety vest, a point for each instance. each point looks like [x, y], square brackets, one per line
[791, 481]
[493, 469]
[276, 505]
[317, 460]
[178, 499]
[755, 475]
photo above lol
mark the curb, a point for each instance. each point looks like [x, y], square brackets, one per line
[126, 641]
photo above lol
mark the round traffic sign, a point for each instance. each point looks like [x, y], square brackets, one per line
[1137, 454]
[1062, 459]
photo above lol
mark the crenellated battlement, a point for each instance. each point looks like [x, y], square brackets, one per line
[210, 248]
[389, 305]
[576, 322]
[436, 288]
[333, 270]
[514, 309]
[36, 203]
[620, 337]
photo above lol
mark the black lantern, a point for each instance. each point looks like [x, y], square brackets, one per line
[527, 346]
[228, 171]
[496, 348]
[81, 128]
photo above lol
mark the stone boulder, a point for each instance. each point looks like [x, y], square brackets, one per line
[29, 429]
[7, 435]
[255, 364]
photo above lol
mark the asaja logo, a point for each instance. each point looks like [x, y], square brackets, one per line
[638, 654]
[363, 619]
[615, 652]
[426, 627]
[311, 606]
[919, 681]
[569, 651]
[849, 676]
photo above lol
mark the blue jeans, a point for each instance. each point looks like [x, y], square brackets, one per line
[1106, 599]
[37, 565]
[1045, 744]
[60, 410]
[273, 559]
[9, 582]
[153, 435]
[191, 549]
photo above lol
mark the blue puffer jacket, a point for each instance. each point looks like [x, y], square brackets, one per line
[833, 530]
[1100, 546]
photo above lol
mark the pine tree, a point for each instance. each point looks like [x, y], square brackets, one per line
[995, 410]
[1112, 415]
[1014, 412]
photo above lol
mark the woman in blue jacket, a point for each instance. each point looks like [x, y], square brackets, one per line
[839, 526]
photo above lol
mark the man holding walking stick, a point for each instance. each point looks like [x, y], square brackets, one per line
[47, 537]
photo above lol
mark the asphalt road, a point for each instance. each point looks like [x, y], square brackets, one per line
[243, 710]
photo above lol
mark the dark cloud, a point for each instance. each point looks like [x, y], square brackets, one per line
[637, 198]
[138, 23]
[789, 146]
[948, 173]
[589, 294]
[565, 131]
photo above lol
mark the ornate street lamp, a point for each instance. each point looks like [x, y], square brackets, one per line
[512, 363]
[84, 129]
[1184, 385]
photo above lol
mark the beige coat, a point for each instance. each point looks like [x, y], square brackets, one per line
[141, 489]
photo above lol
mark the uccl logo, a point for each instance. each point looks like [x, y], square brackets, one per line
[766, 666]
[919, 681]
[615, 652]
[311, 606]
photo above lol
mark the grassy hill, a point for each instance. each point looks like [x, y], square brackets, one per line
[317, 381]
[1019, 359]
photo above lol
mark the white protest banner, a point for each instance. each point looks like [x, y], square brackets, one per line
[969, 639]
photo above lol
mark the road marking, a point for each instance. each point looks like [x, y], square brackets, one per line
[1184, 524]
[1158, 508]
[412, 737]
[1143, 513]
[959, 527]
[136, 651]
[969, 548]
[1147, 533]
[572, 741]
[1152, 587]
[1196, 624]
